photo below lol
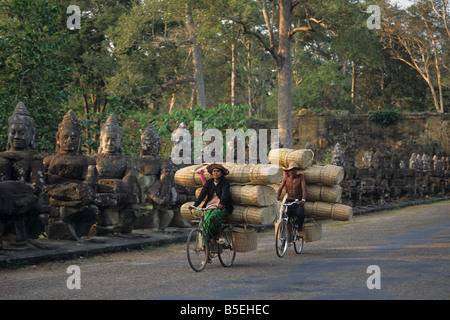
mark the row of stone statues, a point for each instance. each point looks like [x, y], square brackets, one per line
[70, 195]
[385, 177]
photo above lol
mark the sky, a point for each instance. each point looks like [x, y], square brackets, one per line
[402, 3]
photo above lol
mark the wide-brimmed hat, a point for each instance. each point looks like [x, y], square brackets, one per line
[291, 165]
[213, 166]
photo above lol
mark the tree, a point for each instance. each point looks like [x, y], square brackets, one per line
[416, 37]
[276, 36]
[32, 69]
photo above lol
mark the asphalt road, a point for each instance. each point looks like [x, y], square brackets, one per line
[410, 248]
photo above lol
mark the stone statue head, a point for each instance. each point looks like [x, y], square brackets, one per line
[337, 156]
[20, 130]
[150, 142]
[110, 137]
[68, 137]
[378, 160]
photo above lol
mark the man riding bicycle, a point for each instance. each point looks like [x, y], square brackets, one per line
[295, 185]
[217, 192]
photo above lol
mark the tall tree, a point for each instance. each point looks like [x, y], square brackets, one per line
[275, 37]
[417, 38]
[31, 66]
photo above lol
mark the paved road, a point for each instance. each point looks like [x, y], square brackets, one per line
[410, 246]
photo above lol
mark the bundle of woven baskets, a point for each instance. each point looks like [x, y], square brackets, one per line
[323, 192]
[253, 198]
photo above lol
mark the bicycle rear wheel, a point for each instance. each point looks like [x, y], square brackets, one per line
[281, 241]
[226, 252]
[197, 250]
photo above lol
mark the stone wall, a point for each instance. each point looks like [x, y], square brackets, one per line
[422, 133]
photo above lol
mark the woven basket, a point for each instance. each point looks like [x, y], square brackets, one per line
[282, 157]
[189, 177]
[244, 239]
[257, 174]
[334, 211]
[259, 196]
[312, 230]
[317, 192]
[188, 214]
[254, 215]
[323, 193]
[328, 175]
[342, 212]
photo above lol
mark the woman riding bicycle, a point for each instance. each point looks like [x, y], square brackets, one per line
[217, 191]
[295, 185]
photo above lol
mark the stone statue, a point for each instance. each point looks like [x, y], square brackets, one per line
[337, 156]
[117, 192]
[71, 182]
[150, 143]
[156, 182]
[378, 160]
[367, 160]
[412, 161]
[22, 198]
[310, 146]
[437, 163]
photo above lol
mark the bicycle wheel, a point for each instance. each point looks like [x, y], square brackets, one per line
[281, 241]
[298, 244]
[197, 250]
[226, 252]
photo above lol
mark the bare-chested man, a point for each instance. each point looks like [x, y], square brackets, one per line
[295, 185]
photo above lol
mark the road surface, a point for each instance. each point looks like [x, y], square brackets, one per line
[397, 254]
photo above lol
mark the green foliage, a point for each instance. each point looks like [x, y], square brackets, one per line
[223, 117]
[31, 70]
[385, 118]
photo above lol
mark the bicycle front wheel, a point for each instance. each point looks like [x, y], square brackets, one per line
[298, 244]
[197, 250]
[226, 252]
[281, 241]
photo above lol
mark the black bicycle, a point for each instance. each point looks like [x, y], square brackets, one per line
[202, 246]
[286, 232]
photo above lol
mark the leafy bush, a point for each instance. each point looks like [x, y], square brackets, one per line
[385, 118]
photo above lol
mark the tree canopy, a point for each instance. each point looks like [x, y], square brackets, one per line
[145, 59]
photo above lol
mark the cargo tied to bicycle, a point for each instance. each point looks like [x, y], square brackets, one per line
[246, 195]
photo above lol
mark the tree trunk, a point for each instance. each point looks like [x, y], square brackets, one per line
[249, 79]
[172, 103]
[233, 74]
[285, 75]
[197, 58]
[353, 81]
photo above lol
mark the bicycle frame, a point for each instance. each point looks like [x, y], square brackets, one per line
[286, 231]
[206, 243]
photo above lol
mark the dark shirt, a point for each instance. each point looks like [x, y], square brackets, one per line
[222, 190]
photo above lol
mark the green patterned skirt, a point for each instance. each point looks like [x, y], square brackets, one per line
[213, 219]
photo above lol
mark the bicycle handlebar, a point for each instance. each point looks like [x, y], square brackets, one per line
[289, 204]
[202, 209]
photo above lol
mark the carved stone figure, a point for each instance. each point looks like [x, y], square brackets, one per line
[117, 192]
[71, 179]
[22, 198]
[337, 156]
[310, 146]
[150, 143]
[367, 160]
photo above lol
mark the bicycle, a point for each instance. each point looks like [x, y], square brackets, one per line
[202, 247]
[286, 232]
